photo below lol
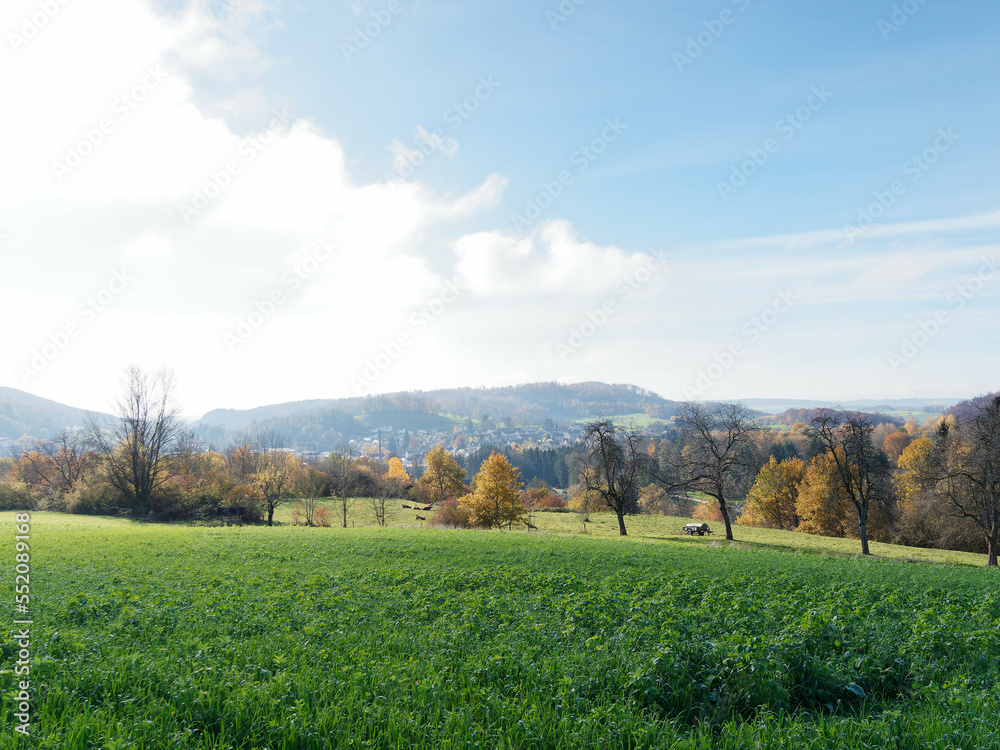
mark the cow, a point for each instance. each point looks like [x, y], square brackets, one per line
[406, 506]
[421, 518]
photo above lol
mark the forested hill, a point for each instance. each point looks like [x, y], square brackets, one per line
[532, 403]
[22, 414]
[330, 421]
[967, 408]
[805, 416]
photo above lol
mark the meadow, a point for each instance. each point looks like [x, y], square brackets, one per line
[174, 636]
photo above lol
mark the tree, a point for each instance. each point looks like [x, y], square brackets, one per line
[771, 502]
[275, 468]
[923, 517]
[821, 504]
[310, 484]
[340, 470]
[444, 478]
[56, 465]
[496, 498]
[396, 473]
[140, 447]
[968, 458]
[241, 458]
[862, 468]
[393, 482]
[655, 500]
[539, 498]
[895, 443]
[717, 453]
[612, 466]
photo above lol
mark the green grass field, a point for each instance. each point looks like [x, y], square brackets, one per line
[173, 636]
[654, 529]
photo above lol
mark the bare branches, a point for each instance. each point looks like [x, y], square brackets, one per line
[612, 467]
[717, 453]
[862, 468]
[968, 460]
[141, 446]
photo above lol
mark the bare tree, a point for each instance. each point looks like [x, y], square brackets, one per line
[140, 447]
[310, 485]
[273, 471]
[717, 453]
[341, 468]
[862, 468]
[968, 460]
[56, 464]
[389, 486]
[612, 466]
[241, 458]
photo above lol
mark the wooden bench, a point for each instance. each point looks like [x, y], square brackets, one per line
[231, 515]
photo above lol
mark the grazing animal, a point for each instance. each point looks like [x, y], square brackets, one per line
[426, 507]
[421, 518]
[406, 506]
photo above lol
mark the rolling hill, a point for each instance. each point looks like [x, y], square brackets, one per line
[26, 415]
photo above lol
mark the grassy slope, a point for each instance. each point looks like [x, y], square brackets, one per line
[660, 528]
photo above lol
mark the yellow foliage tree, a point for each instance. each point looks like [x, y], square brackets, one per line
[583, 500]
[822, 505]
[275, 477]
[921, 517]
[496, 501]
[916, 472]
[771, 502]
[444, 478]
[396, 471]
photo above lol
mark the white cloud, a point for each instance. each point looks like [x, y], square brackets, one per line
[551, 260]
[208, 216]
[406, 159]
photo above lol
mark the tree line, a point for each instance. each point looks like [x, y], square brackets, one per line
[839, 474]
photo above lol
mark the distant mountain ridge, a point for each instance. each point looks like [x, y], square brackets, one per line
[329, 422]
[776, 405]
[526, 403]
[23, 414]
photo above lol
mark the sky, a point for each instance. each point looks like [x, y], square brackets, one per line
[289, 200]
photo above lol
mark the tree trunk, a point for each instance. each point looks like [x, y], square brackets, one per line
[864, 538]
[991, 552]
[725, 519]
[621, 524]
[270, 515]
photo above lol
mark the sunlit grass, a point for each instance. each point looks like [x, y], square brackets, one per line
[655, 528]
[177, 636]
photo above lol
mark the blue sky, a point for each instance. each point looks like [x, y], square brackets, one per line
[739, 198]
